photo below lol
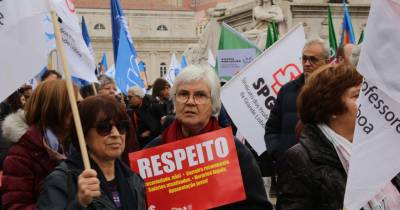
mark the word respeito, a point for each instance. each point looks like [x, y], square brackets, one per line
[192, 155]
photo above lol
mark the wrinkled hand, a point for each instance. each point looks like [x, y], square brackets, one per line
[146, 134]
[88, 187]
[162, 121]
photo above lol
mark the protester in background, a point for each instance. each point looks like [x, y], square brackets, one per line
[15, 114]
[110, 184]
[355, 54]
[280, 127]
[196, 96]
[87, 90]
[143, 115]
[40, 149]
[107, 86]
[149, 89]
[16, 101]
[344, 52]
[50, 75]
[14, 125]
[313, 173]
[26, 91]
[161, 93]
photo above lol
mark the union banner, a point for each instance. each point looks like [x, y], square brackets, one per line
[199, 172]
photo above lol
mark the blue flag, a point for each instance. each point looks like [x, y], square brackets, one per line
[104, 62]
[127, 73]
[118, 21]
[183, 62]
[347, 29]
[141, 66]
[85, 35]
[79, 82]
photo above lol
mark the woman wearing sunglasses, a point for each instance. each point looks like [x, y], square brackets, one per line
[110, 184]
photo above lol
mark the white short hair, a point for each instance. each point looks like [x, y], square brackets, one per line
[355, 54]
[137, 91]
[203, 73]
[321, 42]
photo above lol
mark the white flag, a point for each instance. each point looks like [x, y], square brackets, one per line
[173, 71]
[23, 42]
[80, 60]
[250, 95]
[211, 59]
[375, 151]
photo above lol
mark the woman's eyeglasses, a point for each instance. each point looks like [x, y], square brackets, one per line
[104, 128]
[198, 97]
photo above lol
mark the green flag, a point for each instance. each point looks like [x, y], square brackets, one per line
[231, 39]
[361, 39]
[270, 37]
[332, 35]
[275, 30]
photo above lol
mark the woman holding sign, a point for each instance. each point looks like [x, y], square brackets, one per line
[313, 173]
[110, 184]
[196, 96]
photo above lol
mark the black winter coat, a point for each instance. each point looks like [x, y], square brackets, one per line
[147, 119]
[60, 188]
[311, 176]
[280, 127]
[252, 181]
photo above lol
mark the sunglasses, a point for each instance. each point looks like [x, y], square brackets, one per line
[104, 128]
[311, 59]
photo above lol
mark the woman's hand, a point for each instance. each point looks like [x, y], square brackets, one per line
[88, 187]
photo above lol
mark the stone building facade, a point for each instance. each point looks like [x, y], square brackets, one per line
[312, 13]
[157, 31]
[160, 28]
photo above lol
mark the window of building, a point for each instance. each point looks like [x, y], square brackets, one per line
[162, 28]
[163, 69]
[99, 26]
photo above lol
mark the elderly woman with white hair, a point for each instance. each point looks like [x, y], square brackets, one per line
[196, 96]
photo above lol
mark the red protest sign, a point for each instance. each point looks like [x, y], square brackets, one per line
[200, 172]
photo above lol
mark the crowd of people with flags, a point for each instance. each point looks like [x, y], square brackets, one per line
[309, 133]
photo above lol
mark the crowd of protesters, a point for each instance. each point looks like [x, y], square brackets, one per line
[308, 136]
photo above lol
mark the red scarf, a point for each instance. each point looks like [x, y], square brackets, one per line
[174, 131]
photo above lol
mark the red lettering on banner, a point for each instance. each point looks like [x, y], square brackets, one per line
[70, 5]
[202, 172]
[285, 75]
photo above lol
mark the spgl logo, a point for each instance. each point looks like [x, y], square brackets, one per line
[280, 77]
[285, 75]
[70, 5]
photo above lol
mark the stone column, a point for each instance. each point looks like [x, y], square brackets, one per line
[153, 71]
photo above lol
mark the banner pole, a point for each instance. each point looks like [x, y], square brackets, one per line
[94, 89]
[71, 92]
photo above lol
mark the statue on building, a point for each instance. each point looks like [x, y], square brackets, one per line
[218, 10]
[324, 30]
[264, 13]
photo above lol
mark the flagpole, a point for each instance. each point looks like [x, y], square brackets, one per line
[71, 92]
[94, 89]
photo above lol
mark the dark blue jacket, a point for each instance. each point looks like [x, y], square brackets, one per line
[280, 127]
